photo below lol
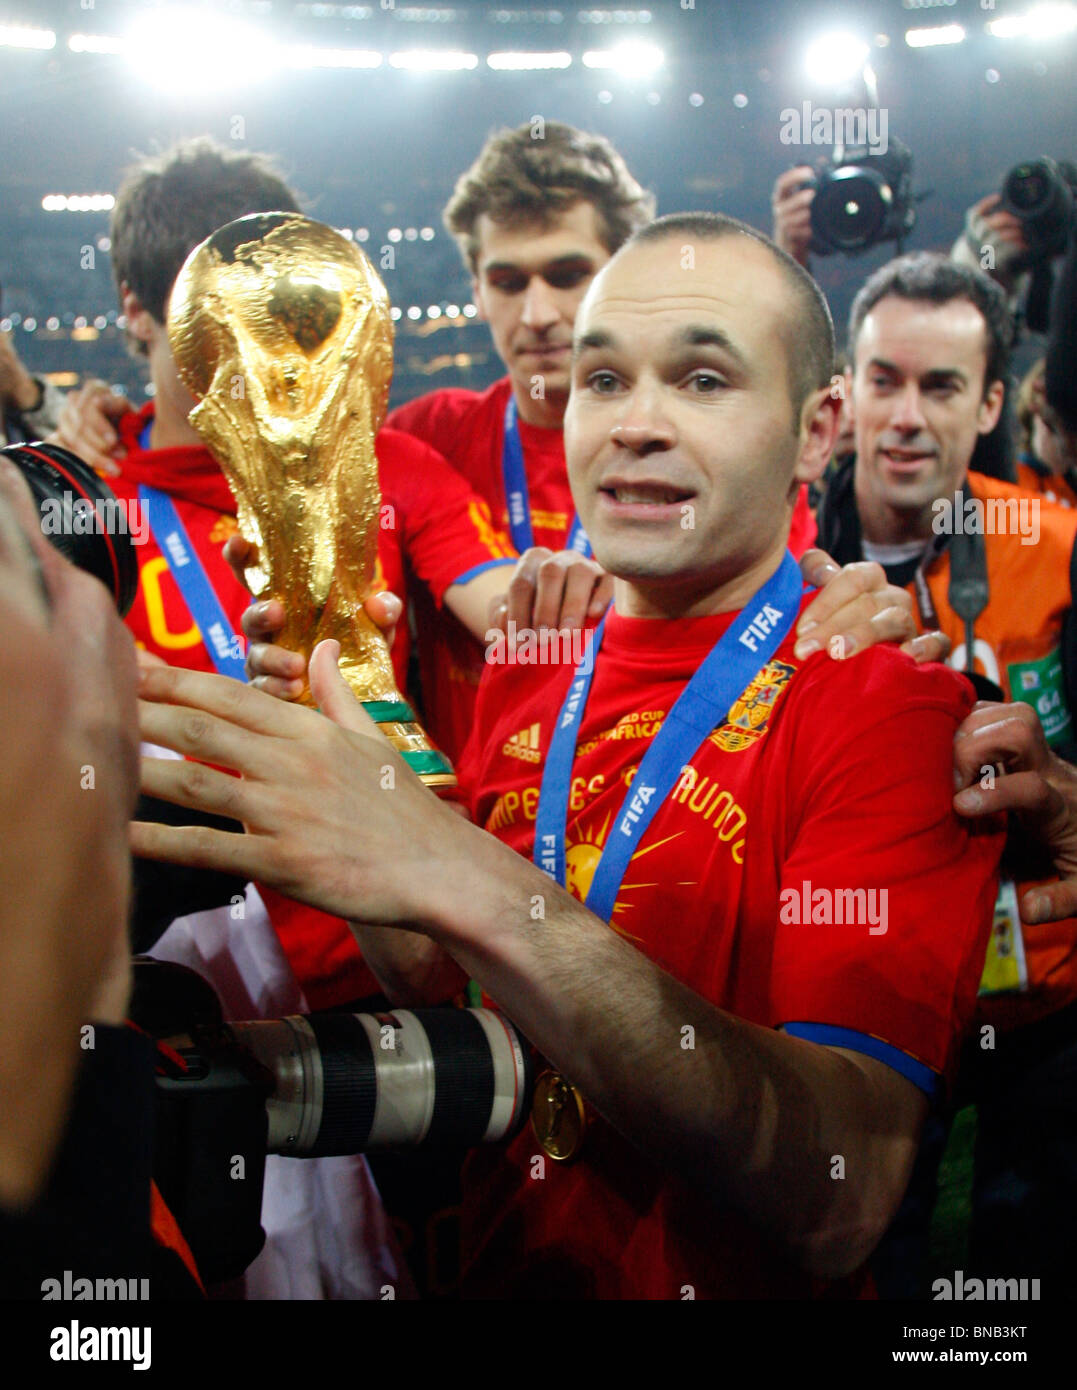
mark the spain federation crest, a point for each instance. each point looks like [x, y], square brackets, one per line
[750, 713]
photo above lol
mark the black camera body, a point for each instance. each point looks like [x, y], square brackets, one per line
[862, 197]
[81, 516]
[1042, 194]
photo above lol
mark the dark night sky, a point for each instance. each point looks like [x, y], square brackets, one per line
[381, 149]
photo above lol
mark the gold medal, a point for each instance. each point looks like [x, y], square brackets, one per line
[558, 1116]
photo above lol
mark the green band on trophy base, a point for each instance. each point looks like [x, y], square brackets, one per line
[389, 711]
[424, 761]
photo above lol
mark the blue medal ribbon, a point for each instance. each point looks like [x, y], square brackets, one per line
[732, 663]
[516, 495]
[186, 568]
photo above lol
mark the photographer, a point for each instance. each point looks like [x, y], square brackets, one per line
[993, 240]
[1025, 237]
[29, 407]
[76, 1087]
[791, 207]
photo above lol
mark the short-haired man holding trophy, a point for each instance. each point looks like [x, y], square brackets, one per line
[731, 904]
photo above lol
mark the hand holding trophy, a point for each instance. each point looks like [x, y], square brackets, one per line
[280, 328]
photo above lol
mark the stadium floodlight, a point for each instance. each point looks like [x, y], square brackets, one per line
[195, 51]
[23, 36]
[96, 43]
[933, 37]
[629, 59]
[305, 55]
[433, 60]
[835, 59]
[618, 16]
[1041, 22]
[78, 202]
[527, 62]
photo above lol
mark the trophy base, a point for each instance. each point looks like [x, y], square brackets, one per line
[396, 720]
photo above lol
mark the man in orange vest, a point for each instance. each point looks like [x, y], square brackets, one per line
[993, 566]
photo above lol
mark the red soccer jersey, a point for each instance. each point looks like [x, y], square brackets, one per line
[431, 527]
[827, 778]
[468, 428]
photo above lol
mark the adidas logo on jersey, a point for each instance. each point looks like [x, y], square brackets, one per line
[524, 745]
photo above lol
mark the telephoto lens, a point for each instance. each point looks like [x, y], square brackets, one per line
[81, 516]
[349, 1083]
[862, 199]
[851, 208]
[1040, 193]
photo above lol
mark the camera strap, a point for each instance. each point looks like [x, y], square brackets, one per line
[968, 592]
[926, 604]
[185, 565]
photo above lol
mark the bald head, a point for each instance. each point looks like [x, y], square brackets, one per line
[684, 452]
[807, 329]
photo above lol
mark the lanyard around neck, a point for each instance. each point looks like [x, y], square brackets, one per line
[514, 474]
[748, 644]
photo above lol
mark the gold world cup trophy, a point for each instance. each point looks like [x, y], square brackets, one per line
[280, 328]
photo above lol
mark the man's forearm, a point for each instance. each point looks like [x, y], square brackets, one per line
[24, 392]
[473, 602]
[750, 1117]
[412, 970]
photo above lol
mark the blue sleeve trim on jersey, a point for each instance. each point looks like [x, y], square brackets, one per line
[478, 569]
[829, 1036]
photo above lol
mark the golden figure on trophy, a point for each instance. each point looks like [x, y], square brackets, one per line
[280, 328]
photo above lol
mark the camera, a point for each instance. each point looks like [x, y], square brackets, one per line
[309, 1085]
[862, 198]
[1042, 194]
[81, 516]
